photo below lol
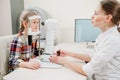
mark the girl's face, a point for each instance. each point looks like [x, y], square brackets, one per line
[34, 24]
[99, 17]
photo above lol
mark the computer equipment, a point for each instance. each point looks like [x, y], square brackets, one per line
[85, 31]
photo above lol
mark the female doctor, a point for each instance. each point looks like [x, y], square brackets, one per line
[105, 63]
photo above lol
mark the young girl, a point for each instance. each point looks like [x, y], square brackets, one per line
[105, 63]
[20, 51]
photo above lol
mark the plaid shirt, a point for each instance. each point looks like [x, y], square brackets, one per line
[19, 51]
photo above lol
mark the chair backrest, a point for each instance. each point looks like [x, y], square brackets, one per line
[5, 42]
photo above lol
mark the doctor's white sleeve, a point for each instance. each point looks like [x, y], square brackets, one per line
[102, 56]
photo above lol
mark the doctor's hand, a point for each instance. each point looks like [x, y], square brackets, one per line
[57, 59]
[62, 53]
[30, 65]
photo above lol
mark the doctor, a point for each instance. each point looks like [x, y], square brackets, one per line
[105, 63]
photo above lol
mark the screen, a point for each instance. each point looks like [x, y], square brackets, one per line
[85, 31]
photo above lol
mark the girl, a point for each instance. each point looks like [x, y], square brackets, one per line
[105, 63]
[20, 50]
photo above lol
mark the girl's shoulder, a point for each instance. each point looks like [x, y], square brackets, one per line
[18, 37]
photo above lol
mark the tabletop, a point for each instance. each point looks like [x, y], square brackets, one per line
[61, 73]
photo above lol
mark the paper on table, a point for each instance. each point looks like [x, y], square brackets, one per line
[50, 65]
[46, 64]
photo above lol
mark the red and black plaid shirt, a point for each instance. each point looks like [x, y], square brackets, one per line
[19, 51]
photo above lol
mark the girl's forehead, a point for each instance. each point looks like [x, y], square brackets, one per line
[35, 19]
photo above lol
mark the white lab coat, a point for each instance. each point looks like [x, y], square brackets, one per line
[105, 63]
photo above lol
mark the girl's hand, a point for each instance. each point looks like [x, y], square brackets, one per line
[30, 65]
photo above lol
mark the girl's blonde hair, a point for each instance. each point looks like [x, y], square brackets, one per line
[25, 17]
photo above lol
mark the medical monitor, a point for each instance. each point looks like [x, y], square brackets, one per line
[85, 31]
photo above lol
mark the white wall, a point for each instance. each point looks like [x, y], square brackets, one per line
[5, 18]
[66, 11]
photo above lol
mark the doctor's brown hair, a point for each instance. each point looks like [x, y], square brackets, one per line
[112, 7]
